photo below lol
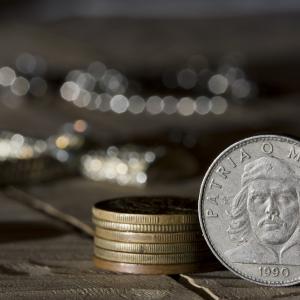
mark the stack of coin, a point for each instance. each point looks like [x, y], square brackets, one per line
[148, 235]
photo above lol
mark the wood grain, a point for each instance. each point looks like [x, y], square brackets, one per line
[42, 258]
[225, 285]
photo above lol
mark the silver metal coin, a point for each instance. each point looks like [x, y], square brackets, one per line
[249, 209]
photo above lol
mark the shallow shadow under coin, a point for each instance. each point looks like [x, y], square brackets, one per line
[22, 231]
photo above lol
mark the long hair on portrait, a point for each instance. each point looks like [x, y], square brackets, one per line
[239, 228]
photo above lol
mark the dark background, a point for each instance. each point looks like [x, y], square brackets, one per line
[144, 40]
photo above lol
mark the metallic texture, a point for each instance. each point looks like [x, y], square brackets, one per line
[249, 209]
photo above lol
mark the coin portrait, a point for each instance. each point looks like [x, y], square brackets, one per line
[265, 214]
[249, 209]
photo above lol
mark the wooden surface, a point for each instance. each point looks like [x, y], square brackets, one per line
[41, 258]
[225, 285]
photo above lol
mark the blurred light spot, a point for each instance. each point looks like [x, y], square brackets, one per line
[70, 91]
[86, 81]
[241, 88]
[141, 177]
[97, 69]
[80, 126]
[83, 99]
[40, 146]
[104, 100]
[7, 76]
[115, 85]
[203, 105]
[26, 63]
[150, 156]
[186, 106]
[114, 82]
[110, 171]
[38, 86]
[62, 142]
[97, 100]
[122, 168]
[218, 84]
[119, 104]
[187, 78]
[26, 152]
[170, 105]
[218, 105]
[4, 149]
[112, 151]
[133, 155]
[20, 86]
[18, 139]
[93, 104]
[126, 165]
[136, 104]
[73, 75]
[62, 155]
[95, 165]
[233, 73]
[154, 105]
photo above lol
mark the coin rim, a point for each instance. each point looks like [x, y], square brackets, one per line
[145, 269]
[145, 228]
[193, 236]
[223, 154]
[162, 219]
[150, 259]
[162, 248]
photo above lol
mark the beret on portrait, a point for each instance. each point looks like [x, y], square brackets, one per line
[268, 168]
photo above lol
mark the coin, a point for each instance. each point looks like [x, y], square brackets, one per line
[249, 209]
[136, 237]
[146, 269]
[125, 257]
[149, 248]
[145, 227]
[148, 210]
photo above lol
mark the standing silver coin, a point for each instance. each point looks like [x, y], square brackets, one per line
[249, 209]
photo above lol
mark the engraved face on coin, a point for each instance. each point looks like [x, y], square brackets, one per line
[249, 209]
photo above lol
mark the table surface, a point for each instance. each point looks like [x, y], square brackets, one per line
[44, 258]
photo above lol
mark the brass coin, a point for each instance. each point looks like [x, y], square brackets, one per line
[149, 248]
[178, 258]
[148, 210]
[136, 237]
[146, 269]
[145, 227]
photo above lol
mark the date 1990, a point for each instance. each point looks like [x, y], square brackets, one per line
[267, 271]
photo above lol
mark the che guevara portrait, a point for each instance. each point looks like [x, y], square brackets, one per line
[265, 214]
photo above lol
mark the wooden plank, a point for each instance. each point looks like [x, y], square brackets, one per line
[92, 287]
[41, 258]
